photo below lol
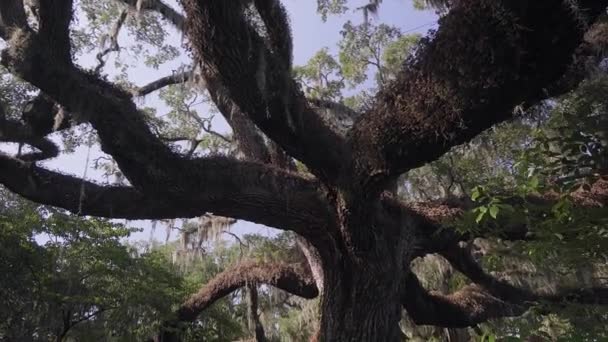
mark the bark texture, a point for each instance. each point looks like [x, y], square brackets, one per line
[487, 57]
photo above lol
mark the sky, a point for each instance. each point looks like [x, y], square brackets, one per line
[310, 34]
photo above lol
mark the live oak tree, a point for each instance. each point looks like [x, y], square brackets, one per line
[295, 169]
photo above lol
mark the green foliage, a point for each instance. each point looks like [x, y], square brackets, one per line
[74, 277]
[362, 46]
[327, 7]
[320, 77]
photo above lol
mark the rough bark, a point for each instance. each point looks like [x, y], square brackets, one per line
[291, 278]
[486, 58]
[507, 53]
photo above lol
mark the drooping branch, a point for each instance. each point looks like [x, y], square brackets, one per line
[486, 58]
[290, 278]
[435, 219]
[464, 308]
[259, 82]
[487, 298]
[462, 260]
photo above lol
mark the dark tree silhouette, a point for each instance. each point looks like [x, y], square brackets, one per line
[486, 58]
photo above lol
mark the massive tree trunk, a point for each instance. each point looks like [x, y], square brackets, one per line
[360, 303]
[488, 57]
[364, 274]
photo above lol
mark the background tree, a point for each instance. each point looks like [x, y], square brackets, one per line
[358, 240]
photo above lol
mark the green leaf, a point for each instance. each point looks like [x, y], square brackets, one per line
[480, 216]
[494, 211]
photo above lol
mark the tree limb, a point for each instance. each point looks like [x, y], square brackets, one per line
[175, 78]
[462, 82]
[290, 278]
[488, 298]
[222, 193]
[54, 28]
[464, 308]
[260, 84]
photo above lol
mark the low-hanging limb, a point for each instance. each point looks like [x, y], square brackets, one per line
[294, 279]
[474, 304]
[461, 82]
[487, 298]
[462, 260]
[467, 307]
[434, 219]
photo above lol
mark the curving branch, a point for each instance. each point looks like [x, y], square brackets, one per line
[434, 219]
[487, 298]
[464, 308]
[474, 304]
[113, 46]
[290, 278]
[486, 58]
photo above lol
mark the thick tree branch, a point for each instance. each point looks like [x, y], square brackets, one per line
[486, 58]
[275, 19]
[488, 298]
[227, 188]
[466, 307]
[290, 278]
[260, 84]
[435, 218]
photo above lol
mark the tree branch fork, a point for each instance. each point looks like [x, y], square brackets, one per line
[433, 105]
